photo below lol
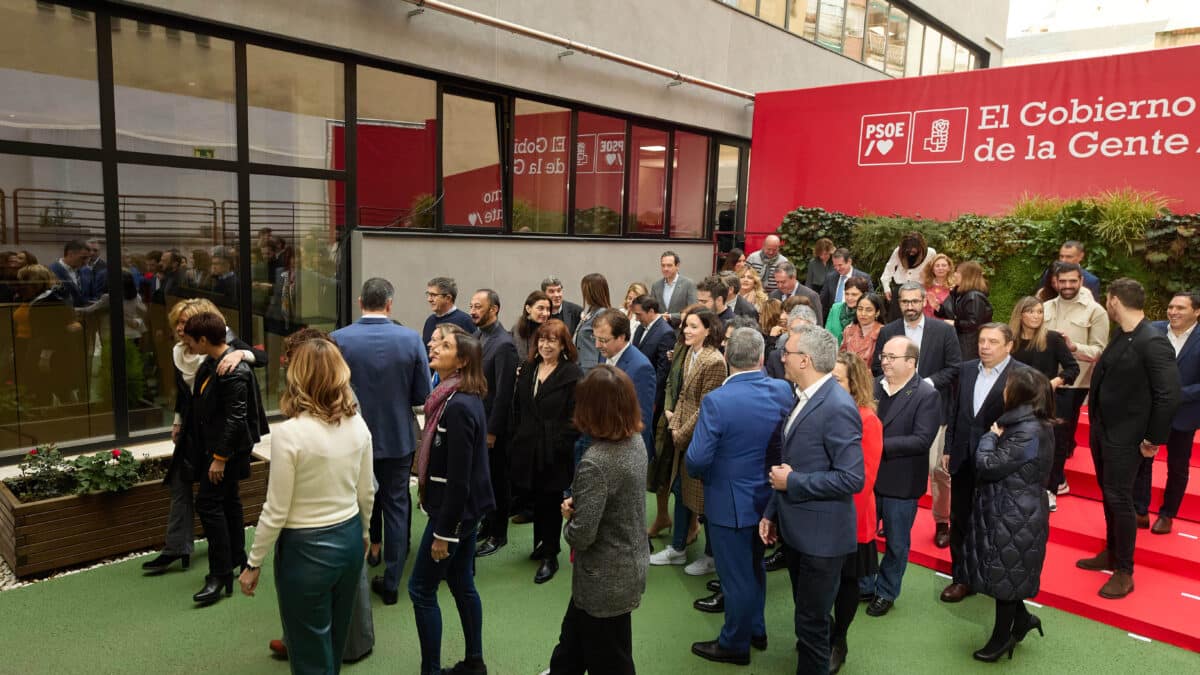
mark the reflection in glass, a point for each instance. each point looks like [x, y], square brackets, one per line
[599, 174]
[916, 36]
[397, 149]
[897, 44]
[55, 343]
[725, 208]
[648, 181]
[877, 18]
[933, 47]
[540, 140]
[829, 27]
[48, 78]
[946, 61]
[471, 180]
[962, 59]
[856, 17]
[802, 19]
[689, 185]
[295, 102]
[774, 11]
[175, 97]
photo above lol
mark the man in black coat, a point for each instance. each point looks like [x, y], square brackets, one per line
[733, 298]
[940, 358]
[563, 310]
[500, 363]
[655, 338]
[835, 281]
[911, 413]
[1135, 393]
[979, 403]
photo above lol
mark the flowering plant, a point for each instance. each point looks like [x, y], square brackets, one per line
[46, 474]
[109, 471]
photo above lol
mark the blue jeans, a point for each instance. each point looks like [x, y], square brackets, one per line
[683, 517]
[898, 516]
[459, 572]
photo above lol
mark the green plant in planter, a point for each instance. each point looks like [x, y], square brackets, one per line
[877, 236]
[1123, 215]
[109, 471]
[1173, 251]
[44, 474]
[989, 241]
[802, 227]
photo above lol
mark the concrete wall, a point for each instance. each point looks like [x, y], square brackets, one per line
[513, 267]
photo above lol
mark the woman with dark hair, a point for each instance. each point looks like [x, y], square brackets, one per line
[734, 261]
[662, 468]
[605, 516]
[820, 265]
[768, 320]
[854, 375]
[533, 315]
[595, 300]
[543, 442]
[968, 307]
[860, 336]
[845, 313]
[907, 263]
[703, 370]
[455, 490]
[1010, 522]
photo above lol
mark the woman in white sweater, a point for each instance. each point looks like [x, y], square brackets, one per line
[907, 263]
[318, 508]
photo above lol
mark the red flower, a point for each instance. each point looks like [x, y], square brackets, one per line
[33, 452]
[116, 454]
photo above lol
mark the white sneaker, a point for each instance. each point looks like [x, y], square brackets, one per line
[1053, 500]
[668, 556]
[1064, 489]
[701, 566]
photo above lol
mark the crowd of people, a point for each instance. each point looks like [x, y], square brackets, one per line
[808, 417]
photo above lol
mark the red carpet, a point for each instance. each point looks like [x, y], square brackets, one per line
[1165, 604]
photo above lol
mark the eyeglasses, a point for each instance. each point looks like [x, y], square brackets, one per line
[911, 301]
[893, 357]
[604, 341]
[787, 351]
[433, 295]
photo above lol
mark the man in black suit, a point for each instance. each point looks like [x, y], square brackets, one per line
[835, 281]
[911, 413]
[787, 286]
[563, 310]
[979, 404]
[940, 358]
[500, 363]
[223, 279]
[712, 292]
[1135, 393]
[740, 305]
[655, 338]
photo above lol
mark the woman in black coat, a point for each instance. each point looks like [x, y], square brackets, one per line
[1010, 522]
[543, 442]
[968, 307]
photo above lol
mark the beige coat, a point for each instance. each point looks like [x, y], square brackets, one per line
[1086, 323]
[708, 373]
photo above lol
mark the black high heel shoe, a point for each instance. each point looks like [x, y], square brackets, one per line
[991, 656]
[213, 585]
[1034, 622]
[163, 561]
[373, 559]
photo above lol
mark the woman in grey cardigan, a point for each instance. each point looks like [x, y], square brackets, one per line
[606, 526]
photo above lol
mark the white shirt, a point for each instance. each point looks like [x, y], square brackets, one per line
[915, 333]
[647, 327]
[803, 397]
[1178, 341]
[894, 272]
[617, 357]
[987, 380]
[669, 291]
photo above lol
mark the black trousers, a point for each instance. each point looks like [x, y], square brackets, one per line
[1179, 457]
[1116, 471]
[589, 644]
[962, 503]
[496, 525]
[1067, 404]
[547, 521]
[815, 582]
[219, 506]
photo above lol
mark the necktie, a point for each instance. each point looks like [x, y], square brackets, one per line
[841, 289]
[639, 335]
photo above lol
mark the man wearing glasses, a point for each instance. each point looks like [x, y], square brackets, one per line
[440, 293]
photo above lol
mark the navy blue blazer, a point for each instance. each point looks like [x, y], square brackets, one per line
[966, 427]
[824, 448]
[1188, 416]
[459, 484]
[638, 368]
[389, 373]
[80, 293]
[910, 423]
[941, 356]
[729, 446]
[500, 361]
[655, 345]
[829, 289]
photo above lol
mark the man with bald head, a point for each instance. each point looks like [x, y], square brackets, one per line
[765, 260]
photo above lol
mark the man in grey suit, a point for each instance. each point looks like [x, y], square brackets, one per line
[815, 483]
[785, 279]
[673, 291]
[389, 373]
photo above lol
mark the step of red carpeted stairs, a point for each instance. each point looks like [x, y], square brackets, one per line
[1084, 428]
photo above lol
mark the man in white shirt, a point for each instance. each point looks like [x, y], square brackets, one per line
[673, 291]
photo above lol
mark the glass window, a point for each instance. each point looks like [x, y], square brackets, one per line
[647, 180]
[962, 59]
[187, 109]
[876, 35]
[471, 182]
[599, 174]
[971, 61]
[802, 20]
[933, 47]
[946, 61]
[897, 43]
[397, 149]
[49, 60]
[726, 206]
[295, 102]
[689, 185]
[856, 17]
[749, 6]
[296, 223]
[175, 245]
[540, 135]
[774, 11]
[55, 345]
[916, 36]
[830, 23]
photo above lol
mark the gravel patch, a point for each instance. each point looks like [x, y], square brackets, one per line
[9, 581]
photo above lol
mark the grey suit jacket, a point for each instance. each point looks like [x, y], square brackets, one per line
[684, 295]
[608, 531]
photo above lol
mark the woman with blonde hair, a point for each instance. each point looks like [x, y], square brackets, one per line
[751, 288]
[968, 307]
[318, 507]
[635, 291]
[937, 278]
[768, 320]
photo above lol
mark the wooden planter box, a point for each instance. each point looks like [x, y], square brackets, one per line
[65, 531]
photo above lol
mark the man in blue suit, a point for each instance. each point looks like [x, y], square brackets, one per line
[655, 338]
[74, 273]
[389, 372]
[728, 453]
[611, 331]
[1180, 329]
[812, 507]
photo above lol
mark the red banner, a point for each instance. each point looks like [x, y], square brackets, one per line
[944, 145]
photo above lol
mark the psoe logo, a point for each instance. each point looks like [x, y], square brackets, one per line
[939, 136]
[883, 139]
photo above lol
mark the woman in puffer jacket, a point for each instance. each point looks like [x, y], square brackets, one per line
[1010, 523]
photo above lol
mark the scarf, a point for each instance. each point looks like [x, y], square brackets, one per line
[187, 363]
[434, 405]
[848, 316]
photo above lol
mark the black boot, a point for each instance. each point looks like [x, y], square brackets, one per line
[547, 570]
[212, 588]
[164, 560]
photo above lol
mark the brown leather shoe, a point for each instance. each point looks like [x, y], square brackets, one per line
[1143, 521]
[955, 592]
[941, 538]
[1119, 586]
[1097, 563]
[1162, 525]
